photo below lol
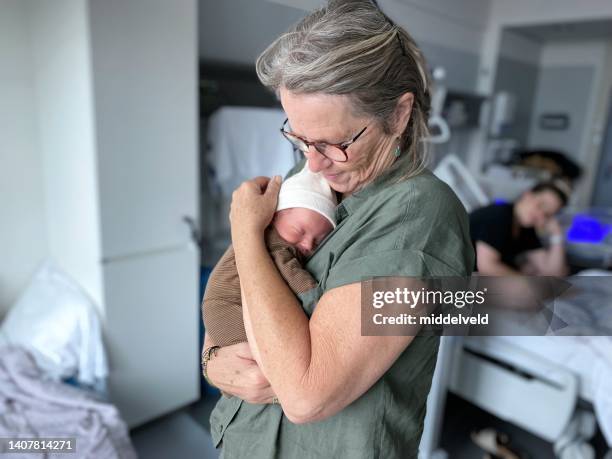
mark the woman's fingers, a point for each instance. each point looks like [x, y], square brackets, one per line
[253, 205]
[234, 372]
[261, 182]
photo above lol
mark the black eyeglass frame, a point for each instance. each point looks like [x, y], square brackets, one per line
[340, 146]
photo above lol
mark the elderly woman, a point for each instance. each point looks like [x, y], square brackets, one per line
[355, 90]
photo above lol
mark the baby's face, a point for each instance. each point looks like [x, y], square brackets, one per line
[302, 228]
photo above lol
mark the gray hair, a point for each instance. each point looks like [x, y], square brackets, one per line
[349, 47]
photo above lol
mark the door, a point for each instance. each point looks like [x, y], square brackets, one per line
[602, 193]
[152, 333]
[144, 61]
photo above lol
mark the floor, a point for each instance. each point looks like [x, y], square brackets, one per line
[462, 418]
[184, 434]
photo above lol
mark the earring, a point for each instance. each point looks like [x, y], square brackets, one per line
[397, 151]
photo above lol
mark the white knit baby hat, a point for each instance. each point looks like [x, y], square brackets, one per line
[308, 190]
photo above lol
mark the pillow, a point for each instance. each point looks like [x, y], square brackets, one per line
[56, 321]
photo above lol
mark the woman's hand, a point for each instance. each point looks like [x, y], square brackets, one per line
[253, 205]
[233, 370]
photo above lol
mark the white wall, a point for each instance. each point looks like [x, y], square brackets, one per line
[459, 25]
[455, 24]
[523, 12]
[63, 83]
[516, 47]
[237, 31]
[600, 120]
[506, 13]
[561, 61]
[23, 238]
[585, 100]
[450, 33]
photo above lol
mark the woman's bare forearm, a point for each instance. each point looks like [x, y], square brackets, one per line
[248, 328]
[277, 324]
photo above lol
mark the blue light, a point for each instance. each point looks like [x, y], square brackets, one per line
[587, 229]
[499, 201]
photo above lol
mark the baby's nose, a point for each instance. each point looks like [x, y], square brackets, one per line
[306, 246]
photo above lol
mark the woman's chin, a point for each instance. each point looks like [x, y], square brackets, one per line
[338, 184]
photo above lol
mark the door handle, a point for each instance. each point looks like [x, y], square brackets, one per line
[194, 231]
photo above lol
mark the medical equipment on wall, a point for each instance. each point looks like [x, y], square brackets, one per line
[436, 122]
[502, 113]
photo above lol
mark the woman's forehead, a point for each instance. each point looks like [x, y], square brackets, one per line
[318, 116]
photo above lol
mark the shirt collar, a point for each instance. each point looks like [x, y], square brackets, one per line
[354, 201]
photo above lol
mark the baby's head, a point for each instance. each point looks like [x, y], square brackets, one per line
[305, 211]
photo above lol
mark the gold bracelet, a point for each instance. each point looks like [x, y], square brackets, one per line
[206, 356]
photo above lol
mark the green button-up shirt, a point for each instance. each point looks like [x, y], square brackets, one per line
[415, 227]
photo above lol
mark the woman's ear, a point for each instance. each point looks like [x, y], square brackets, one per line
[403, 110]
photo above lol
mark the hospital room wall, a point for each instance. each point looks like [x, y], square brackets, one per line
[451, 35]
[565, 65]
[523, 12]
[526, 12]
[48, 143]
[602, 133]
[583, 66]
[63, 77]
[23, 239]
[517, 73]
[237, 31]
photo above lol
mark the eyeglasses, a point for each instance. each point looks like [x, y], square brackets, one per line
[334, 151]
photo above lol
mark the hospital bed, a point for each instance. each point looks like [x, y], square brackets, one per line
[556, 387]
[541, 384]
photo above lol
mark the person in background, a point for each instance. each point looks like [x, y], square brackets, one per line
[506, 236]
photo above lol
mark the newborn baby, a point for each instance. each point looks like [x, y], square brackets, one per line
[304, 216]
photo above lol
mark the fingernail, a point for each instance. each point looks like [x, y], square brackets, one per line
[278, 178]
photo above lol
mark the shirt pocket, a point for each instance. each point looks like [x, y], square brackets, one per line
[221, 416]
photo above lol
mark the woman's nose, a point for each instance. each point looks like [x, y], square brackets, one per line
[316, 160]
